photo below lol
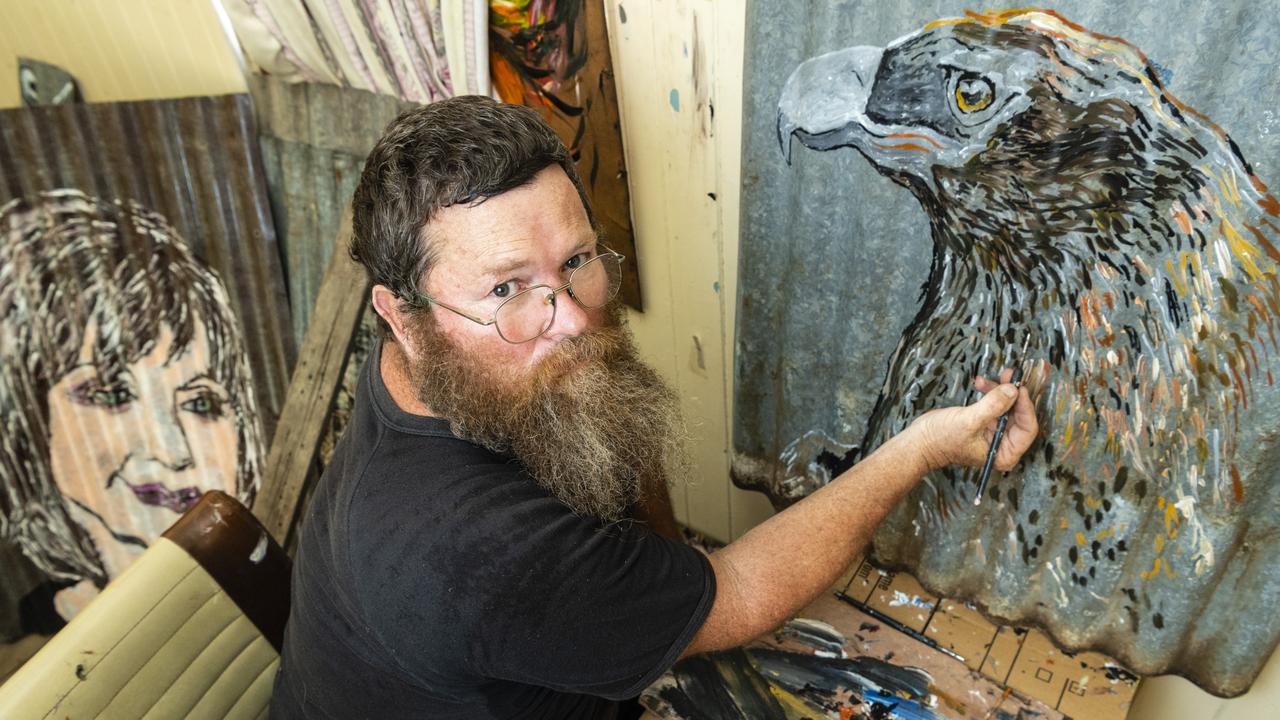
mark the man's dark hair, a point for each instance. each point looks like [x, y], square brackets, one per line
[461, 150]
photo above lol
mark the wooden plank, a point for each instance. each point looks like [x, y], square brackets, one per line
[312, 387]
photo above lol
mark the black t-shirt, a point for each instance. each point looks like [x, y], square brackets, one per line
[436, 579]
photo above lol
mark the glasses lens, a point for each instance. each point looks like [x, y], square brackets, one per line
[596, 281]
[525, 316]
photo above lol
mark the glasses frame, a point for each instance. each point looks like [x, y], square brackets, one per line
[423, 300]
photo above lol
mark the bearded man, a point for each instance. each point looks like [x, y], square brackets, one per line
[493, 537]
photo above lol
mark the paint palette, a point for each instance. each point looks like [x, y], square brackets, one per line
[881, 647]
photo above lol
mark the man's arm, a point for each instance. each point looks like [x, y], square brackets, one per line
[768, 574]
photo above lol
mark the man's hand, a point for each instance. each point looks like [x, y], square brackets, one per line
[962, 435]
[768, 574]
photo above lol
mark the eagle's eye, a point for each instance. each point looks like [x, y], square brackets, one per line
[974, 93]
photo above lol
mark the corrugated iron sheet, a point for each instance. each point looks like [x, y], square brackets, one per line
[194, 162]
[314, 139]
[895, 258]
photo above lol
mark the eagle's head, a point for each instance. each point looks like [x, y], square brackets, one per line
[1014, 130]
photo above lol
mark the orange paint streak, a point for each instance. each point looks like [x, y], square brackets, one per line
[925, 138]
[903, 146]
[1262, 310]
[1237, 487]
[1267, 202]
[1184, 220]
[1266, 244]
[505, 79]
[1239, 388]
[1086, 313]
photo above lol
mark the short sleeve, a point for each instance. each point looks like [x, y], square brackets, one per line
[578, 607]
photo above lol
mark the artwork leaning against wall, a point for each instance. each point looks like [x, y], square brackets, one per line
[993, 178]
[144, 340]
[554, 57]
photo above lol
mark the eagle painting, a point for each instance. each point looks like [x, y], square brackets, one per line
[1073, 200]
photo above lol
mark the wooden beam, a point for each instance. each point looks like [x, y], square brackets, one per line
[312, 388]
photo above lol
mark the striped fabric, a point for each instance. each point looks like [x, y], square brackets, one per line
[417, 50]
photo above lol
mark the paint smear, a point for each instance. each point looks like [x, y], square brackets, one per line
[675, 99]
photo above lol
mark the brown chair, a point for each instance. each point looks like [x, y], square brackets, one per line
[192, 629]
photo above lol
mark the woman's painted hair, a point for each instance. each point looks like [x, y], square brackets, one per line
[69, 261]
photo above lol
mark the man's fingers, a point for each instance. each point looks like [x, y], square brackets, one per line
[984, 385]
[996, 402]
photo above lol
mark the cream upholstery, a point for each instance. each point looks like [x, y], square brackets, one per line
[162, 641]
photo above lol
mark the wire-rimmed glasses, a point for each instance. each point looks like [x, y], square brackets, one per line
[530, 312]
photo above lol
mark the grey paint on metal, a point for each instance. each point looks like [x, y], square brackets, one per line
[314, 140]
[836, 258]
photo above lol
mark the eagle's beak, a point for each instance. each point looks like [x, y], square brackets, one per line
[826, 97]
[785, 128]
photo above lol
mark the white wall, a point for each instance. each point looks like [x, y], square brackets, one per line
[675, 60]
[120, 51]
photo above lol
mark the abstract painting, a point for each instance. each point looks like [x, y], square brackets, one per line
[1072, 201]
[553, 55]
[143, 328]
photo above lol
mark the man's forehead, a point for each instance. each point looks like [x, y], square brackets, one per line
[501, 254]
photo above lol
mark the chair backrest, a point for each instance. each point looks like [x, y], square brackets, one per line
[192, 629]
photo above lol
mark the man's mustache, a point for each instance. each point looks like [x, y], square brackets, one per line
[600, 345]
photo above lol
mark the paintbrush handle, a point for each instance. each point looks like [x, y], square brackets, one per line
[991, 458]
[995, 441]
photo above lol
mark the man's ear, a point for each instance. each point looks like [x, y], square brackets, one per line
[387, 305]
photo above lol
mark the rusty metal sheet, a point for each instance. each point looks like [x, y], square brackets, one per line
[958, 185]
[144, 319]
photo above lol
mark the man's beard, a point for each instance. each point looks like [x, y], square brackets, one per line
[592, 423]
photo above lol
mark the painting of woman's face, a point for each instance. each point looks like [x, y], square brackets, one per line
[132, 451]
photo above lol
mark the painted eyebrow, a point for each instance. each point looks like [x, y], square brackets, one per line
[101, 371]
[202, 378]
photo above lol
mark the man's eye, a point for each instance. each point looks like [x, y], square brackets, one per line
[577, 260]
[204, 404]
[506, 289]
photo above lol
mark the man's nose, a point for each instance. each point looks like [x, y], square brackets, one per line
[570, 321]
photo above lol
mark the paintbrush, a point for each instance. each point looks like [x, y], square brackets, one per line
[1000, 425]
